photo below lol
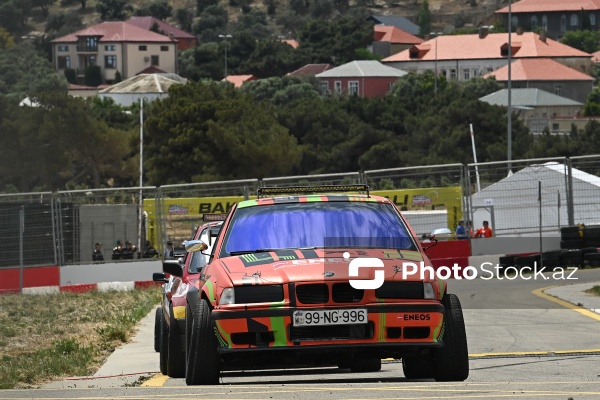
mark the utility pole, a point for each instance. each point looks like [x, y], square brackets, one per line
[225, 37]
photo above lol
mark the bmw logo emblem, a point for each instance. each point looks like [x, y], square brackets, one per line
[328, 274]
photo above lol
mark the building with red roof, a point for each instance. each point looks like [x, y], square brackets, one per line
[114, 46]
[463, 57]
[310, 70]
[555, 17]
[184, 40]
[389, 40]
[239, 80]
[548, 75]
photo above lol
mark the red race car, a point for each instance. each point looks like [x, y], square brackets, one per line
[170, 318]
[319, 280]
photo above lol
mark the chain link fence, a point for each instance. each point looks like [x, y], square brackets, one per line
[61, 228]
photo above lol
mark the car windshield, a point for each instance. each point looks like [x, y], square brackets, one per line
[316, 225]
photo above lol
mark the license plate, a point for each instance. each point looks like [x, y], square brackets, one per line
[330, 317]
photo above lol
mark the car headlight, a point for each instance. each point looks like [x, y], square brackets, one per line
[428, 292]
[227, 296]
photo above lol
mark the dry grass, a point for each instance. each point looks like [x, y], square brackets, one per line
[595, 291]
[45, 337]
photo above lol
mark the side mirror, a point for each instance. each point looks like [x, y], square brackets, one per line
[173, 267]
[159, 277]
[195, 245]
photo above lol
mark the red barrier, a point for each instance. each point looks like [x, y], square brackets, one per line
[32, 277]
[448, 248]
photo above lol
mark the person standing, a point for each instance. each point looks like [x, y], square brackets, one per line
[169, 255]
[97, 255]
[485, 232]
[461, 230]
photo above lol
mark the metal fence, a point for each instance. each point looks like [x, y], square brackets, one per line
[61, 228]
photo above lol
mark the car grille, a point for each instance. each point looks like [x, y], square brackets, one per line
[312, 293]
[400, 290]
[258, 294]
[344, 293]
[332, 332]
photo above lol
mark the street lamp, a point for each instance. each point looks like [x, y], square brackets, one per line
[225, 37]
[436, 34]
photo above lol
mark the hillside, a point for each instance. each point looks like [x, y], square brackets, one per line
[446, 14]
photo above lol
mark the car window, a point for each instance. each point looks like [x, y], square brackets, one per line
[199, 259]
[317, 224]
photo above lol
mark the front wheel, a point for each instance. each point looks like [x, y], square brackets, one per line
[176, 360]
[157, 318]
[203, 360]
[417, 367]
[164, 343]
[451, 362]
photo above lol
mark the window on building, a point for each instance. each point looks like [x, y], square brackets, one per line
[91, 44]
[558, 90]
[515, 22]
[110, 47]
[466, 74]
[353, 87]
[154, 61]
[64, 62]
[444, 73]
[91, 60]
[534, 21]
[390, 86]
[110, 61]
[142, 48]
[324, 86]
[555, 127]
[544, 22]
[574, 20]
[593, 19]
[563, 23]
[452, 74]
[164, 48]
[63, 48]
[475, 73]
[338, 87]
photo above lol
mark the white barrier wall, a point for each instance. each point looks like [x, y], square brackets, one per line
[136, 271]
[513, 244]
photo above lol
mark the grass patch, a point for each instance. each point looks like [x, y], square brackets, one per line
[47, 337]
[595, 291]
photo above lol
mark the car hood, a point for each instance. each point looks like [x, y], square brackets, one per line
[315, 266]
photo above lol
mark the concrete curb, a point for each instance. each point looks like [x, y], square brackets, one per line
[82, 288]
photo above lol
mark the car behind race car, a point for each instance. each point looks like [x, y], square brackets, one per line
[280, 290]
[170, 317]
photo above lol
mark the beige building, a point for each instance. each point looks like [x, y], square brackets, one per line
[114, 46]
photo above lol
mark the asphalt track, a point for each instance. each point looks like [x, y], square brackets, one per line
[524, 343]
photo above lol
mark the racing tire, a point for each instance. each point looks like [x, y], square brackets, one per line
[571, 258]
[417, 367]
[164, 344]
[451, 362]
[365, 364]
[157, 317]
[176, 356]
[203, 359]
[592, 260]
[571, 244]
[569, 232]
[188, 332]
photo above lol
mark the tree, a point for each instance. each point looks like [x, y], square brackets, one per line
[202, 5]
[280, 90]
[159, 9]
[592, 105]
[588, 41]
[207, 131]
[70, 75]
[424, 19]
[113, 10]
[93, 76]
[44, 5]
[14, 14]
[6, 40]
[184, 18]
[271, 58]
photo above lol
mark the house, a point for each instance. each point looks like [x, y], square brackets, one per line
[114, 46]
[540, 109]
[144, 86]
[390, 40]
[393, 20]
[365, 78]
[555, 17]
[462, 57]
[310, 70]
[292, 42]
[239, 80]
[548, 75]
[84, 91]
[596, 56]
[184, 40]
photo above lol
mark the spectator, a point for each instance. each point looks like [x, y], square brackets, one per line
[128, 251]
[149, 251]
[169, 255]
[485, 232]
[461, 230]
[117, 252]
[97, 256]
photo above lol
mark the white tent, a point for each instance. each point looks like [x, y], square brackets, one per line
[513, 206]
[146, 86]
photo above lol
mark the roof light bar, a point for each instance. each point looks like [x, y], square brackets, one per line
[269, 191]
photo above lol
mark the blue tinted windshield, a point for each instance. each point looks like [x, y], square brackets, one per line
[318, 224]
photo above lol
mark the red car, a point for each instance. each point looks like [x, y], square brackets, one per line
[170, 319]
[283, 288]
